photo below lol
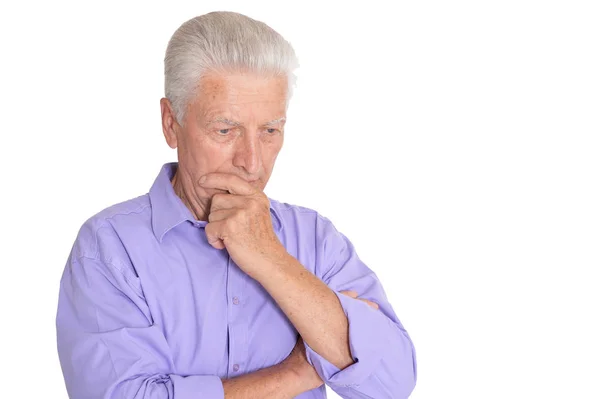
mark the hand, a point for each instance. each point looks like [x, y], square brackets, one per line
[298, 363]
[240, 220]
[354, 294]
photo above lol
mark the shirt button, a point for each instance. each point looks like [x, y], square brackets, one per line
[236, 367]
[235, 300]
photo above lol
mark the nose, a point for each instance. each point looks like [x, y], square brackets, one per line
[248, 154]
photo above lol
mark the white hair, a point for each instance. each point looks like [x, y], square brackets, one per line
[223, 41]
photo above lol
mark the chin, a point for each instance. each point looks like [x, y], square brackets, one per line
[258, 184]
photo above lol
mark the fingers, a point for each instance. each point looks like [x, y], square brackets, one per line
[354, 294]
[370, 303]
[213, 234]
[227, 182]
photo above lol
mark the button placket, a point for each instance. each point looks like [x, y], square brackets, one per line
[237, 323]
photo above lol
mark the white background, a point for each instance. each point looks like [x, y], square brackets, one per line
[456, 143]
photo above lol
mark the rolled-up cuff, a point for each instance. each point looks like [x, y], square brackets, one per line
[197, 387]
[368, 329]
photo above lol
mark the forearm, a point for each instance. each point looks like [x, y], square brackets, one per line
[311, 306]
[277, 382]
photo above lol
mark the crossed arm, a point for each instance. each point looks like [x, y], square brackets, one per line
[356, 350]
[358, 347]
[284, 380]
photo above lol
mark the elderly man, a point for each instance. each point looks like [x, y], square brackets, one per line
[205, 287]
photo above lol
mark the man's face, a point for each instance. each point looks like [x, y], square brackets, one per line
[234, 125]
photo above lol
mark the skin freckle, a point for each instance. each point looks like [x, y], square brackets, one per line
[241, 105]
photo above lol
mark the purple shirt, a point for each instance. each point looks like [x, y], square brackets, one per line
[148, 309]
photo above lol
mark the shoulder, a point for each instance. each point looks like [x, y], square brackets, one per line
[301, 218]
[288, 211]
[99, 236]
[99, 260]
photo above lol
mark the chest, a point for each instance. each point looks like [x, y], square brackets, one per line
[215, 318]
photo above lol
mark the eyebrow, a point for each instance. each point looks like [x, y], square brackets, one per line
[275, 121]
[236, 123]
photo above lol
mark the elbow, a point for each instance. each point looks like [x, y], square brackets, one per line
[406, 386]
[408, 377]
[401, 370]
[144, 387]
[399, 386]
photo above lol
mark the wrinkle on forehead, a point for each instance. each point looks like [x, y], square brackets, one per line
[242, 84]
[228, 96]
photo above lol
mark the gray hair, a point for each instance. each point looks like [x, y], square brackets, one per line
[223, 41]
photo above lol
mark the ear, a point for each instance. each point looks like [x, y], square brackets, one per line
[169, 122]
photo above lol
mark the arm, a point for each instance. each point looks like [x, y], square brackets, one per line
[311, 306]
[285, 380]
[332, 324]
[109, 348]
[277, 382]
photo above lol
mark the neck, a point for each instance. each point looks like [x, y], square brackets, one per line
[196, 207]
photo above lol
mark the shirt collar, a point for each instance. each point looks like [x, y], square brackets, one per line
[169, 211]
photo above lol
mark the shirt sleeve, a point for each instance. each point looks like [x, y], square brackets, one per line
[384, 355]
[107, 344]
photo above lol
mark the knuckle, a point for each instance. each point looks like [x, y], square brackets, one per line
[229, 224]
[239, 213]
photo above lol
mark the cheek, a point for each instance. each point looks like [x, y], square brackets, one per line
[271, 152]
[210, 152]
[191, 142]
[218, 158]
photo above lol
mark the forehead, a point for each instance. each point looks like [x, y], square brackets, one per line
[241, 87]
[240, 98]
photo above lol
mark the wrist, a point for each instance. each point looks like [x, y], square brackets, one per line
[270, 262]
[293, 378]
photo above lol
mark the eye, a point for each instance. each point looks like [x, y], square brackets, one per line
[224, 131]
[271, 131]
